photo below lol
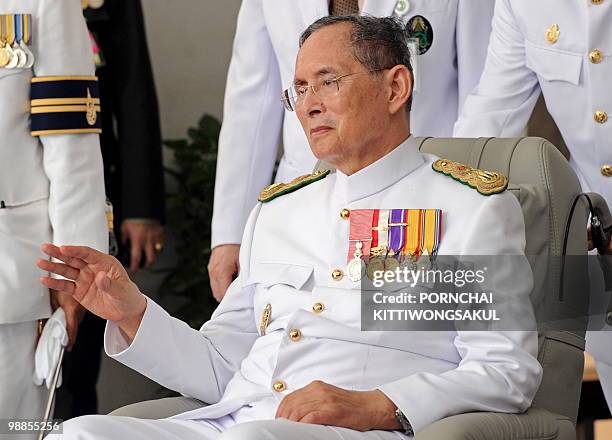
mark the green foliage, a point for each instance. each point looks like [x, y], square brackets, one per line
[189, 217]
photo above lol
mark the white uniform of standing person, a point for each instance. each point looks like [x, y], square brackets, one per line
[288, 335]
[564, 51]
[51, 182]
[265, 47]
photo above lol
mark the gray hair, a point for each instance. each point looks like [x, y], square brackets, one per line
[377, 43]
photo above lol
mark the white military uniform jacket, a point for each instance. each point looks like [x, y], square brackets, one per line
[291, 247]
[562, 49]
[52, 186]
[263, 63]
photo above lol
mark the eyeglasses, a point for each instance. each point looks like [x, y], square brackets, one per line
[324, 89]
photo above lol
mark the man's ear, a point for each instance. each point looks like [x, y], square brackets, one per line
[400, 87]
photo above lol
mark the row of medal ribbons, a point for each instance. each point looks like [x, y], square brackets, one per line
[386, 238]
[15, 39]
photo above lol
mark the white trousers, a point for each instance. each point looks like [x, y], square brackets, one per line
[116, 427]
[20, 398]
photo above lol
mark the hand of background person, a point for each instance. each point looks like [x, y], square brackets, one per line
[143, 237]
[222, 268]
[74, 312]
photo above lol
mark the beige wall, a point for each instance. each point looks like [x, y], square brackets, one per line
[190, 43]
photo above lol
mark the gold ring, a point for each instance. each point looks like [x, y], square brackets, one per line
[159, 247]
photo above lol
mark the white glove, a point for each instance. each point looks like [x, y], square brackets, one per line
[54, 337]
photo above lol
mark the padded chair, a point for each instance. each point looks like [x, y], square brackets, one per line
[545, 185]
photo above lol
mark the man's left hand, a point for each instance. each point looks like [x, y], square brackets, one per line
[74, 312]
[147, 237]
[323, 404]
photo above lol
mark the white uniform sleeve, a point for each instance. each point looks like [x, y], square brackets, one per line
[72, 162]
[195, 363]
[503, 101]
[498, 370]
[472, 34]
[251, 129]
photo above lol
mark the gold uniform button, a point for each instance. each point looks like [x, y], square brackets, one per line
[606, 170]
[295, 335]
[553, 33]
[595, 56]
[318, 307]
[597, 2]
[337, 274]
[279, 386]
[600, 116]
[345, 213]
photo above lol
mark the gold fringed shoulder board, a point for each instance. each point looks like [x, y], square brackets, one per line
[485, 182]
[278, 189]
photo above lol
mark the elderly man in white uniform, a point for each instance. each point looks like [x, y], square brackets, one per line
[51, 181]
[451, 37]
[563, 50]
[284, 355]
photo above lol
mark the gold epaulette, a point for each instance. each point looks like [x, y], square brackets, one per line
[278, 189]
[485, 182]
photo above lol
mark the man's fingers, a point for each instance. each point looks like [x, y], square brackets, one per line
[58, 269]
[296, 411]
[64, 286]
[55, 252]
[288, 402]
[222, 266]
[124, 233]
[150, 250]
[136, 254]
[219, 286]
[315, 418]
[87, 254]
[300, 410]
[71, 327]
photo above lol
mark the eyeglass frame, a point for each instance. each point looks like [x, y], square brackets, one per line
[286, 97]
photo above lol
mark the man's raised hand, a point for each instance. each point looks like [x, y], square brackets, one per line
[97, 281]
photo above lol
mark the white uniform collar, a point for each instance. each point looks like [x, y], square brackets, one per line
[383, 173]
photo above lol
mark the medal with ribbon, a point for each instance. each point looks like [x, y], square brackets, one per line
[360, 242]
[15, 32]
[6, 52]
[25, 21]
[396, 236]
[22, 58]
[412, 245]
[432, 232]
[380, 242]
[423, 234]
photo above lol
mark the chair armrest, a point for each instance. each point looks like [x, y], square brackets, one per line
[158, 409]
[535, 424]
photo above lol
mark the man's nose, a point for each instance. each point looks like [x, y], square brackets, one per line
[312, 103]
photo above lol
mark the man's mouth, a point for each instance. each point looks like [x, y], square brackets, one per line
[320, 130]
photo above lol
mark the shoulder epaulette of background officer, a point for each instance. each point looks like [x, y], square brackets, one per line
[278, 189]
[65, 105]
[485, 182]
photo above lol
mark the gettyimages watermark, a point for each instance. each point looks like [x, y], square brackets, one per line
[485, 293]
